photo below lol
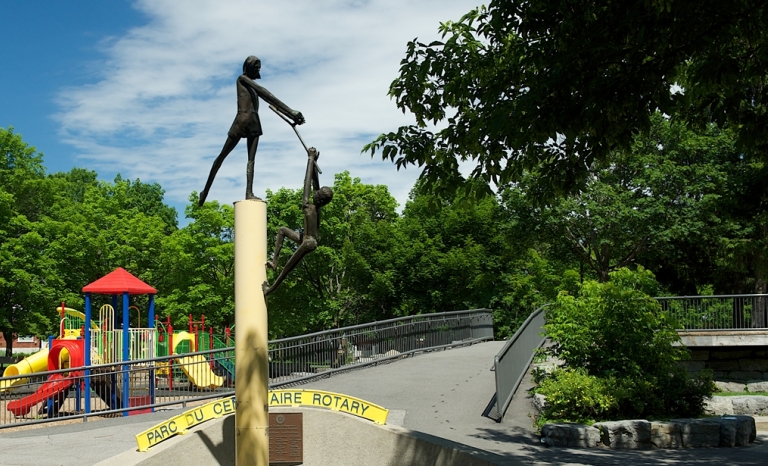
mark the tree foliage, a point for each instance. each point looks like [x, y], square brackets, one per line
[557, 86]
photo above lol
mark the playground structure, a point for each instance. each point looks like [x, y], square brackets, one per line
[116, 349]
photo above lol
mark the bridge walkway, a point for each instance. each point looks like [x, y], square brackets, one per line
[443, 394]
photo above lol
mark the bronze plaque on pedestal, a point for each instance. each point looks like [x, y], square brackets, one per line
[286, 439]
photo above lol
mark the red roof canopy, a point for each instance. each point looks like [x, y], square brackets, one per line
[117, 282]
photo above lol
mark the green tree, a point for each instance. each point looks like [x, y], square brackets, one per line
[560, 85]
[346, 279]
[27, 277]
[196, 270]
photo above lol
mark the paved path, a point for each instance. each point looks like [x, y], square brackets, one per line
[441, 394]
[444, 393]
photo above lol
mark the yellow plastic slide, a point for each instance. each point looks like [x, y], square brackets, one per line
[38, 362]
[196, 367]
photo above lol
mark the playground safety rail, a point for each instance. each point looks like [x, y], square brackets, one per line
[291, 361]
[26, 400]
[717, 312]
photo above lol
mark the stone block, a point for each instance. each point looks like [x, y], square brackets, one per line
[757, 365]
[750, 405]
[694, 366]
[625, 435]
[760, 354]
[736, 431]
[730, 354]
[539, 402]
[730, 386]
[719, 405]
[727, 365]
[742, 375]
[665, 435]
[755, 387]
[699, 355]
[699, 433]
[570, 435]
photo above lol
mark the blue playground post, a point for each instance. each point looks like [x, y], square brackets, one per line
[87, 352]
[126, 352]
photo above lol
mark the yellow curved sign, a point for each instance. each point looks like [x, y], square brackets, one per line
[215, 409]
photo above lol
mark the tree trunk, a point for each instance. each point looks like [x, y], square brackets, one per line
[760, 304]
[8, 343]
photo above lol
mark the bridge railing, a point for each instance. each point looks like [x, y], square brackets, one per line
[718, 312]
[317, 354]
[183, 379]
[512, 361]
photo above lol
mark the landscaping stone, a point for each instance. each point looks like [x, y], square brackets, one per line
[761, 386]
[725, 431]
[666, 435]
[539, 401]
[699, 433]
[750, 405]
[731, 386]
[719, 405]
[736, 431]
[570, 435]
[626, 435]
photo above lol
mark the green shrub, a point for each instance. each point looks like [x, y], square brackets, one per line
[574, 396]
[613, 336]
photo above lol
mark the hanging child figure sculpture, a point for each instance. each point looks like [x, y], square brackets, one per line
[313, 199]
[247, 124]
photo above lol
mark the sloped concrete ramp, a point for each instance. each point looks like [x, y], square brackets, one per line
[330, 439]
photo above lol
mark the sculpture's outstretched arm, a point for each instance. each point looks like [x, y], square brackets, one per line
[272, 100]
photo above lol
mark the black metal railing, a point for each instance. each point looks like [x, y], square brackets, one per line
[719, 312]
[183, 379]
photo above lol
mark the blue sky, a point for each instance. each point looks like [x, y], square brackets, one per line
[145, 88]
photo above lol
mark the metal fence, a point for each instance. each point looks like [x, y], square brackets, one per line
[721, 312]
[309, 356]
[182, 379]
[512, 361]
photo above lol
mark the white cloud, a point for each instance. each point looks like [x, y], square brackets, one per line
[162, 107]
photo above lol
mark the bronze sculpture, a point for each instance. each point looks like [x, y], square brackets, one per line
[247, 124]
[314, 198]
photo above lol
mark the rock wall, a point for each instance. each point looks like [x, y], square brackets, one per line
[727, 431]
[728, 363]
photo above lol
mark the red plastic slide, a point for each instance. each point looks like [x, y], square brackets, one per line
[53, 386]
[57, 383]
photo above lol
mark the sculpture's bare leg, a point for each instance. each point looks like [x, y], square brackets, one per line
[229, 144]
[253, 144]
[307, 246]
[281, 233]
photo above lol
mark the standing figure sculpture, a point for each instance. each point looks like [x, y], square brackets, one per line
[314, 198]
[247, 123]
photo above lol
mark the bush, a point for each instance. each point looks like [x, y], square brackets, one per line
[614, 336]
[575, 396]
